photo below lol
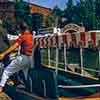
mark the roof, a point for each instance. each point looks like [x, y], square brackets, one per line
[25, 2]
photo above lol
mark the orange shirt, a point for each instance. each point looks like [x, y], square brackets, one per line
[25, 41]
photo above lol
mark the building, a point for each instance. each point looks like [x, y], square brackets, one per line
[7, 10]
[42, 11]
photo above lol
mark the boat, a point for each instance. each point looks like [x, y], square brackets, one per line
[47, 82]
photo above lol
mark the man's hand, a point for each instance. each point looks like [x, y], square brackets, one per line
[1, 56]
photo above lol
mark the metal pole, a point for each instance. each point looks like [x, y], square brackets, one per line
[49, 56]
[81, 56]
[65, 59]
[99, 64]
[57, 55]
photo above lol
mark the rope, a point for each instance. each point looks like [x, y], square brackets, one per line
[81, 86]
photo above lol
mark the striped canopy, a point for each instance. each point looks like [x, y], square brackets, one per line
[83, 38]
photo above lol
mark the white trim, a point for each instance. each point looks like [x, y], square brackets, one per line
[79, 86]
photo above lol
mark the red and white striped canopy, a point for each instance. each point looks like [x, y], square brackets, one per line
[53, 40]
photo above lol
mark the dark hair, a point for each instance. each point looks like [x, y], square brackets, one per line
[23, 26]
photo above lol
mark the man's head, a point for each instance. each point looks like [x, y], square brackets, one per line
[23, 27]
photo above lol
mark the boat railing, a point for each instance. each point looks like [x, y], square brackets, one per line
[80, 86]
[72, 64]
[78, 49]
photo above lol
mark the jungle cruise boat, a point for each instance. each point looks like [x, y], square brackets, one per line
[65, 67]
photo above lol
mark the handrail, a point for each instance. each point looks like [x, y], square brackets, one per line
[81, 40]
[89, 69]
[79, 86]
[94, 78]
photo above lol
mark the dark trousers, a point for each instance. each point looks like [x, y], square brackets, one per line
[6, 61]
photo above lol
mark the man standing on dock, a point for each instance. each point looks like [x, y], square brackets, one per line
[22, 61]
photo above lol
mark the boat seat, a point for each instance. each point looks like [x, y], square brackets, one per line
[42, 82]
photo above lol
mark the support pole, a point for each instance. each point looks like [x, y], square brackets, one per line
[49, 56]
[57, 55]
[65, 58]
[99, 65]
[81, 56]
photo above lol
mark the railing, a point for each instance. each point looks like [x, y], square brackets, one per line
[72, 63]
[61, 51]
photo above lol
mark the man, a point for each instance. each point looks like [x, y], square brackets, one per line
[22, 61]
[4, 43]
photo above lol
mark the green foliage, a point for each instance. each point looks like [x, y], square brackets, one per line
[54, 19]
[69, 11]
[22, 13]
[21, 10]
[84, 11]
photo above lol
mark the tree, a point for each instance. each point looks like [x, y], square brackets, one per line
[21, 10]
[83, 12]
[54, 19]
[68, 12]
[97, 8]
[97, 5]
[22, 13]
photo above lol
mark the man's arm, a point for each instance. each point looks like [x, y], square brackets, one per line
[13, 47]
